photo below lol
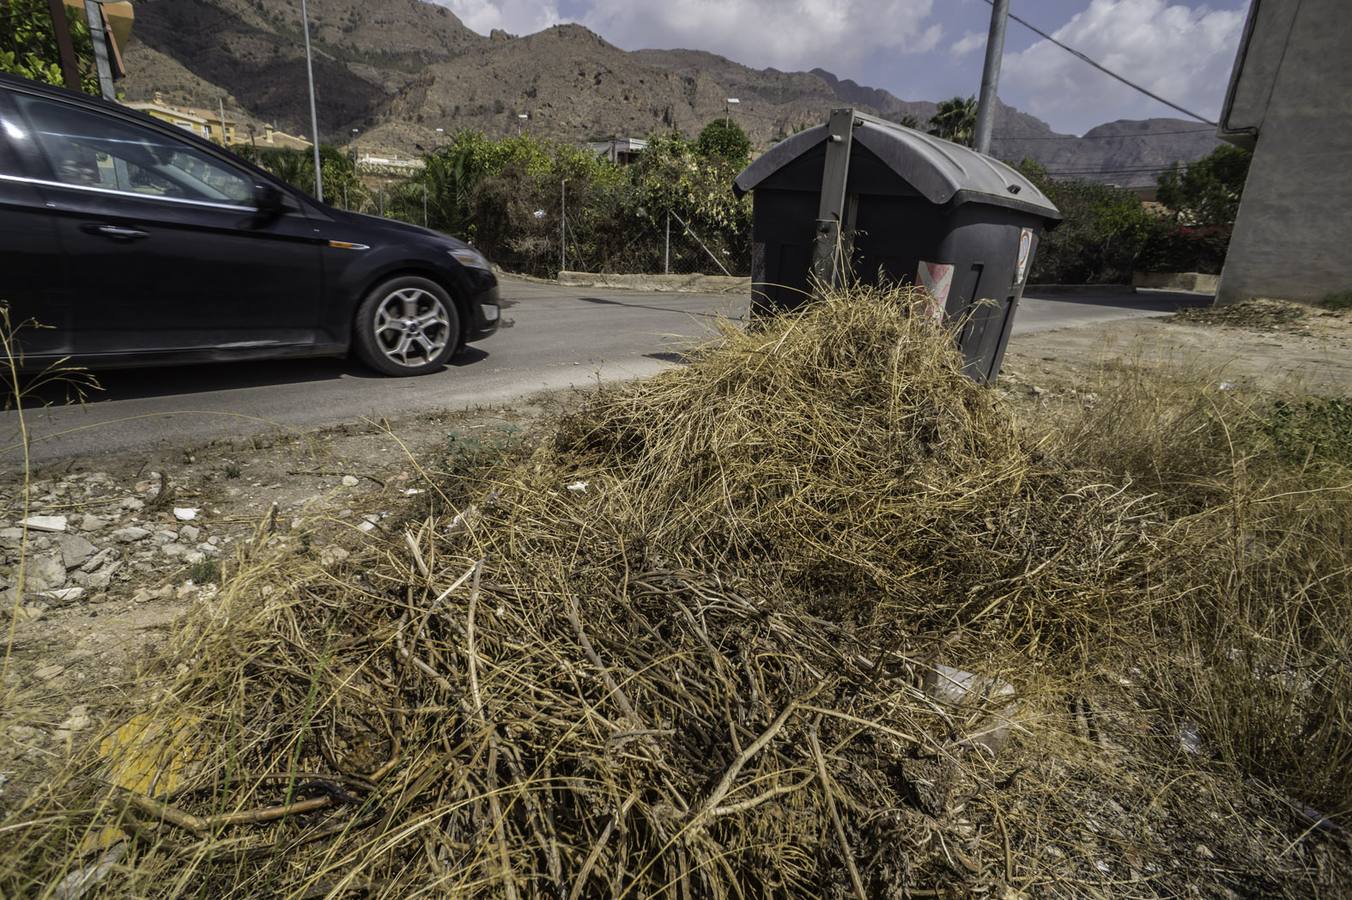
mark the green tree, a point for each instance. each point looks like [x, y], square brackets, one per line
[1104, 230]
[28, 44]
[1207, 192]
[955, 120]
[909, 121]
[724, 139]
[342, 187]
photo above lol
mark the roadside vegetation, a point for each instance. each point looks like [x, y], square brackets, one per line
[813, 615]
[508, 196]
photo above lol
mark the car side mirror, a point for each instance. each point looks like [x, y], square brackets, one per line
[269, 199]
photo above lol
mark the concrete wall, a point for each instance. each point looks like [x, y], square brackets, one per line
[1293, 235]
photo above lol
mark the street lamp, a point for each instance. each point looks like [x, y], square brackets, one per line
[521, 121]
[727, 109]
[355, 132]
[314, 114]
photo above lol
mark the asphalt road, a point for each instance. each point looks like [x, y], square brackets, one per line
[561, 337]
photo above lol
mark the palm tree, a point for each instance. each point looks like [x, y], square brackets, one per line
[908, 121]
[955, 120]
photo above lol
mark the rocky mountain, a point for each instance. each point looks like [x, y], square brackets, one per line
[399, 69]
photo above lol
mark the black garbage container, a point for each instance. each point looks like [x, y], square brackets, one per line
[907, 208]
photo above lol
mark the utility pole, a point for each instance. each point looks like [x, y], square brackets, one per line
[990, 76]
[99, 38]
[220, 104]
[666, 253]
[314, 114]
[70, 67]
[563, 226]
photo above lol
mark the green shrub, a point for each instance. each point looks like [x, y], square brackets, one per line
[1101, 236]
[1337, 300]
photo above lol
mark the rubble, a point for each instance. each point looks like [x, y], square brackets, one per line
[45, 523]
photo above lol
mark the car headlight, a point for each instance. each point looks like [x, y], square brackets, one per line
[468, 256]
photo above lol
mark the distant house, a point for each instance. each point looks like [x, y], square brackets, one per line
[205, 123]
[174, 116]
[621, 151]
[1288, 102]
[272, 138]
[388, 163]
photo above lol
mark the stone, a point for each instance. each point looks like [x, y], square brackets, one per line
[98, 581]
[189, 534]
[132, 504]
[75, 550]
[185, 513]
[78, 720]
[331, 556]
[95, 562]
[45, 573]
[93, 523]
[11, 537]
[29, 613]
[166, 536]
[47, 673]
[955, 687]
[350, 481]
[145, 595]
[24, 734]
[173, 549]
[130, 534]
[64, 595]
[54, 524]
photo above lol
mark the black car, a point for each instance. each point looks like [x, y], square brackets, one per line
[134, 242]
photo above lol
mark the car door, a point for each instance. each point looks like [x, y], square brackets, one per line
[167, 250]
[32, 276]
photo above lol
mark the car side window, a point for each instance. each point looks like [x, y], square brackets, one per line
[86, 149]
[10, 131]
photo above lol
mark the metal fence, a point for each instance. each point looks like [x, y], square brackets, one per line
[540, 234]
[661, 243]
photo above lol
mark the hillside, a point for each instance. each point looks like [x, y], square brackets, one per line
[399, 69]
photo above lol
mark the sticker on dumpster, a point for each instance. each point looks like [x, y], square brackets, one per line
[937, 278]
[1025, 250]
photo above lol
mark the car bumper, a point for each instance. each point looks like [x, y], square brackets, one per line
[485, 314]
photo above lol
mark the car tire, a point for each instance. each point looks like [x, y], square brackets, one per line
[407, 326]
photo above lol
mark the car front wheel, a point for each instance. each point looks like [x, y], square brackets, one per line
[407, 326]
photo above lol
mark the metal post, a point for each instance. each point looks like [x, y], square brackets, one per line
[424, 204]
[990, 76]
[827, 251]
[382, 201]
[70, 66]
[314, 113]
[220, 105]
[666, 254]
[99, 38]
[563, 225]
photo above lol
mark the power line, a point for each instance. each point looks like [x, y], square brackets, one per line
[1105, 70]
[1105, 137]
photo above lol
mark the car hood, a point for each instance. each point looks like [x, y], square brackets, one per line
[391, 226]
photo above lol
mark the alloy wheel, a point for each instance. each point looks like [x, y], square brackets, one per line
[412, 327]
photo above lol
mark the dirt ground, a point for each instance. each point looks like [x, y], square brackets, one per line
[146, 535]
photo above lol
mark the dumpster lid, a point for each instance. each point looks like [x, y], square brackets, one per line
[942, 171]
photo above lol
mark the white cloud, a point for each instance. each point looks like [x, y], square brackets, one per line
[514, 16]
[972, 40]
[787, 34]
[1181, 53]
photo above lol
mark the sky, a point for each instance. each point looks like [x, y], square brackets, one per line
[933, 49]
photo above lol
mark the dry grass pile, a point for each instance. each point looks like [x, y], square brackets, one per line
[1259, 315]
[696, 643]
